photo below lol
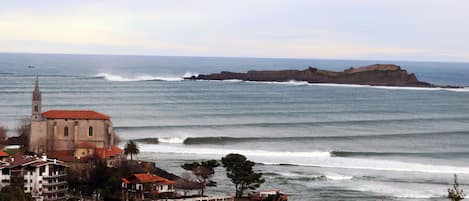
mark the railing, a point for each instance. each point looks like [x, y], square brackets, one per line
[54, 175]
[47, 191]
[54, 183]
[56, 198]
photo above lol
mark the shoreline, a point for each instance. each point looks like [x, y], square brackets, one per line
[384, 75]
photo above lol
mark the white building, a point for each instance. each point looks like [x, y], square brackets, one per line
[146, 186]
[44, 178]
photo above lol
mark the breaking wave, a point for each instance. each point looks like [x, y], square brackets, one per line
[304, 83]
[321, 159]
[303, 177]
[222, 140]
[119, 78]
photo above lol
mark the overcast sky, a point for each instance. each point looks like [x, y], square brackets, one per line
[436, 30]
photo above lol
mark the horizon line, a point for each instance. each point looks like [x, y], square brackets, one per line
[239, 57]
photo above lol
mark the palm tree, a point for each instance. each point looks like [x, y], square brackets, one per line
[131, 148]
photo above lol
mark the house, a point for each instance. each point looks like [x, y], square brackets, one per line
[3, 156]
[145, 186]
[44, 178]
[71, 135]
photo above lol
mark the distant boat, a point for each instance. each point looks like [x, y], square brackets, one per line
[31, 67]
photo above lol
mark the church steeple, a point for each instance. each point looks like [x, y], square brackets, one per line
[36, 114]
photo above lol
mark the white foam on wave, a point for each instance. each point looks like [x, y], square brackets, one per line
[232, 80]
[334, 177]
[288, 83]
[172, 140]
[160, 148]
[338, 177]
[119, 78]
[314, 158]
[304, 83]
[415, 191]
[465, 89]
[190, 74]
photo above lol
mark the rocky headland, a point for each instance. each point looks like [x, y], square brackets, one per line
[375, 75]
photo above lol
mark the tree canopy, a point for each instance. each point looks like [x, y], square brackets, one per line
[203, 171]
[241, 172]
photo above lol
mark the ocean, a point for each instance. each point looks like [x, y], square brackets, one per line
[312, 141]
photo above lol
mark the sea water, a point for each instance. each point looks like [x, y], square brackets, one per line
[312, 141]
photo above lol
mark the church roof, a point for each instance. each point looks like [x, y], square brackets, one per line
[75, 114]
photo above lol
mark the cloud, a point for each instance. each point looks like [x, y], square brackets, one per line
[351, 29]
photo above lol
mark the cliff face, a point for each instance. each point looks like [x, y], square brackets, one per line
[378, 74]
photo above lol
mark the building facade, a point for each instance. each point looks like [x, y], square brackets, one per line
[139, 187]
[70, 133]
[44, 178]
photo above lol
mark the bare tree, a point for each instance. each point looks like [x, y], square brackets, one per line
[24, 130]
[3, 135]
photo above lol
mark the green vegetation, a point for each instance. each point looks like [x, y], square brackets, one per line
[100, 181]
[203, 171]
[131, 148]
[9, 193]
[241, 172]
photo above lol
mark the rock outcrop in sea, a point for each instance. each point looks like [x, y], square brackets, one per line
[376, 75]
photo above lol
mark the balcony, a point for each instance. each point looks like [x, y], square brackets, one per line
[56, 198]
[47, 191]
[54, 183]
[61, 174]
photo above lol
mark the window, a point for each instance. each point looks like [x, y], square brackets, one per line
[90, 131]
[36, 108]
[66, 131]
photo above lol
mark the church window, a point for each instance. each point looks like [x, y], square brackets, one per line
[36, 108]
[90, 131]
[66, 131]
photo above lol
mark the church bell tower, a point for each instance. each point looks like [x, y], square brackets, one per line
[36, 106]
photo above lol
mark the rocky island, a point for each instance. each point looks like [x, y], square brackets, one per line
[375, 75]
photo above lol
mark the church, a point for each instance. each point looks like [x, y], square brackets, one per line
[71, 135]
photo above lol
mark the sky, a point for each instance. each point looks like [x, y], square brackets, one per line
[423, 30]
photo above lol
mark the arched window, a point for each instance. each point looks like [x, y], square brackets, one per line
[66, 131]
[90, 131]
[36, 108]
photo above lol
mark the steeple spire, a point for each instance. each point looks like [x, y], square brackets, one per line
[36, 114]
[37, 91]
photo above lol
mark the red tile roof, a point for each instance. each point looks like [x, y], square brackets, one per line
[125, 181]
[3, 154]
[149, 178]
[75, 114]
[63, 155]
[106, 153]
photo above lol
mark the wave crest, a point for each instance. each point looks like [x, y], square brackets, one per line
[119, 78]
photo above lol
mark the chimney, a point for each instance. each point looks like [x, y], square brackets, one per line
[44, 157]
